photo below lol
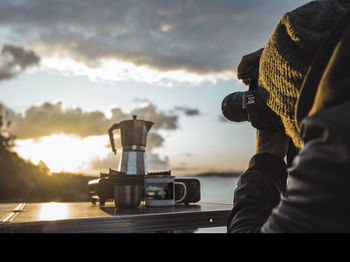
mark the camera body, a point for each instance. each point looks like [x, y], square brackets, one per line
[250, 106]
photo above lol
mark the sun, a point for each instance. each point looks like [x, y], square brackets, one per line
[63, 153]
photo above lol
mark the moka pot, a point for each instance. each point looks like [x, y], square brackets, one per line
[133, 135]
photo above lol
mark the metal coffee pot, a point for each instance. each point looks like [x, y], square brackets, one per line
[133, 134]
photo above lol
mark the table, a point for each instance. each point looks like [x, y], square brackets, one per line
[85, 217]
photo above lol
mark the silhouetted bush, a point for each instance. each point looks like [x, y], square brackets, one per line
[22, 181]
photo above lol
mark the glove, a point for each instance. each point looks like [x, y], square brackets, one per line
[248, 68]
[272, 141]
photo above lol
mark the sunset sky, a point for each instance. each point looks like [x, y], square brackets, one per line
[70, 69]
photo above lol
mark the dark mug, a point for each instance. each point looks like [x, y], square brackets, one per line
[160, 191]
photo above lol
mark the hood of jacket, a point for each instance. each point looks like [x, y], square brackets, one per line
[327, 82]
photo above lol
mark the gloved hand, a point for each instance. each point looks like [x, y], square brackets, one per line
[248, 68]
[272, 141]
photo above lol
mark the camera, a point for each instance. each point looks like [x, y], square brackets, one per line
[250, 106]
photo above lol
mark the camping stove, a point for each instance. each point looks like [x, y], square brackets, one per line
[131, 183]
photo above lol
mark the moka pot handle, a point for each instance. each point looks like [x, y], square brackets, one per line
[111, 139]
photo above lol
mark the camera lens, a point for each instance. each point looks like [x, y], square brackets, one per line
[232, 109]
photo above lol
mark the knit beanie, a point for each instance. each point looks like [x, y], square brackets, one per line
[288, 54]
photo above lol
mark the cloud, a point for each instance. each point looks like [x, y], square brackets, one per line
[200, 37]
[188, 111]
[14, 60]
[47, 119]
[160, 119]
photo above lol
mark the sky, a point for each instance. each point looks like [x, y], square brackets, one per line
[70, 69]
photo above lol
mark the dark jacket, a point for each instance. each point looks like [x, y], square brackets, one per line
[313, 195]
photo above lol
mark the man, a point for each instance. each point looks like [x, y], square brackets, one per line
[304, 77]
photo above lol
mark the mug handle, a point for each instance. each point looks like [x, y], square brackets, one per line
[185, 191]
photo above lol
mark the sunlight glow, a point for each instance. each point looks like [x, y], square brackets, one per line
[53, 211]
[113, 70]
[62, 152]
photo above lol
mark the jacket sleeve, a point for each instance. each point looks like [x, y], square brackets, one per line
[316, 197]
[257, 193]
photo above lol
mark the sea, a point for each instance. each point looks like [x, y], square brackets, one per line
[216, 189]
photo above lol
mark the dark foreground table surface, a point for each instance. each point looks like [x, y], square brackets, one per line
[85, 217]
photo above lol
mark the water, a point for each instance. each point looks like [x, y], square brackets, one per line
[216, 190]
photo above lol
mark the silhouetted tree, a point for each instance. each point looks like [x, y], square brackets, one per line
[6, 140]
[22, 181]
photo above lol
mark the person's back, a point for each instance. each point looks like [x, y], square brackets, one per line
[316, 198]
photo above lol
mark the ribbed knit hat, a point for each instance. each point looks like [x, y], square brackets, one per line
[289, 52]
